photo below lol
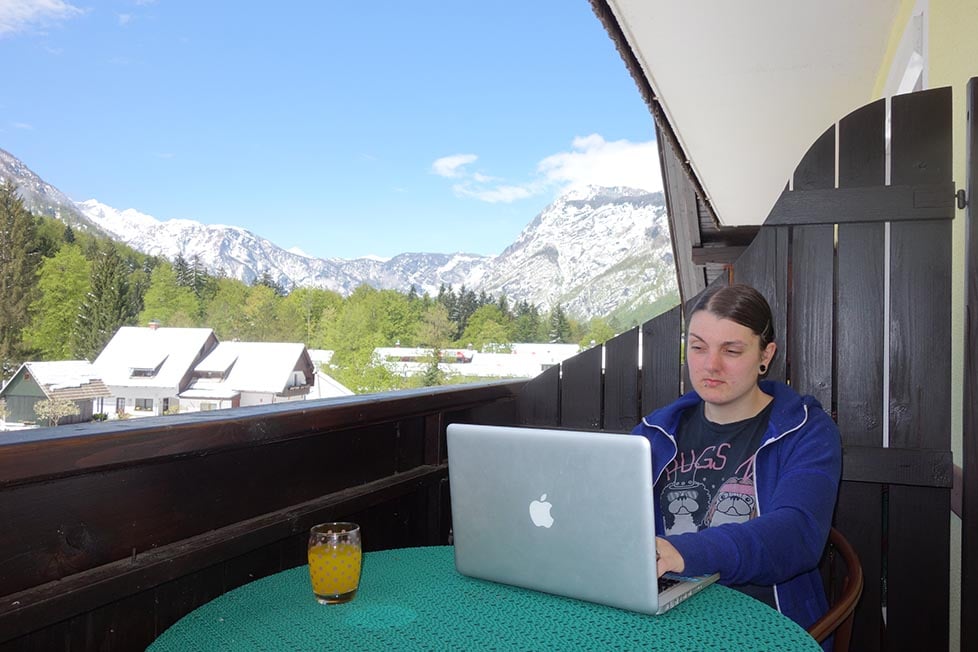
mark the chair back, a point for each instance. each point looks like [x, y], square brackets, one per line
[843, 593]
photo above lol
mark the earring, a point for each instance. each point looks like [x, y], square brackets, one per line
[763, 368]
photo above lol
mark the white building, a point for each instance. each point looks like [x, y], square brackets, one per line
[146, 369]
[525, 360]
[69, 380]
[240, 374]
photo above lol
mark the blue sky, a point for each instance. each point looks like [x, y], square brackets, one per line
[343, 128]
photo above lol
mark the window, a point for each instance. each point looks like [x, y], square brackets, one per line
[120, 405]
[204, 406]
[143, 404]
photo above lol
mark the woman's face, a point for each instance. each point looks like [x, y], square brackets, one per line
[724, 361]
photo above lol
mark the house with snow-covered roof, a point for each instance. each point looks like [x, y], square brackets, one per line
[69, 380]
[146, 368]
[240, 374]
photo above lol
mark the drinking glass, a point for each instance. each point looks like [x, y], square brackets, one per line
[334, 561]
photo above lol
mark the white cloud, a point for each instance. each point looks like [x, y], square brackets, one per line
[124, 19]
[595, 161]
[497, 195]
[21, 15]
[23, 125]
[591, 160]
[451, 166]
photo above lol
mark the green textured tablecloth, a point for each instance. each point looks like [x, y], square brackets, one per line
[414, 599]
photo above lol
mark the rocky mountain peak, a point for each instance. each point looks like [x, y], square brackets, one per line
[592, 250]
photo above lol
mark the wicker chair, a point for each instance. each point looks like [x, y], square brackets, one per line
[838, 619]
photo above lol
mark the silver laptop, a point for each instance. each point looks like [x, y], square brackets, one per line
[560, 511]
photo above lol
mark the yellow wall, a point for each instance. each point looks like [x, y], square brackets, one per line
[952, 60]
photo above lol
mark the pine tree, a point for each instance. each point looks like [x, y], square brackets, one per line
[526, 327]
[199, 279]
[182, 270]
[560, 328]
[19, 261]
[109, 305]
[269, 282]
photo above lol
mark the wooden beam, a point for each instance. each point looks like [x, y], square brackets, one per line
[717, 255]
[37, 455]
[918, 467]
[872, 204]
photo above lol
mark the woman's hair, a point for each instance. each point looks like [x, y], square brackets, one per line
[741, 304]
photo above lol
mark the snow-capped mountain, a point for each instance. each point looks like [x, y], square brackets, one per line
[593, 250]
[39, 197]
[241, 254]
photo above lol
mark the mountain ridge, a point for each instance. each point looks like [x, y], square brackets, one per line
[592, 250]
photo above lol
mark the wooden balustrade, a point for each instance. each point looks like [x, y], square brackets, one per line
[113, 531]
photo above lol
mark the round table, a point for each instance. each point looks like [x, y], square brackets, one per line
[414, 599]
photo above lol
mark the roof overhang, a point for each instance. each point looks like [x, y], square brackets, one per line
[741, 90]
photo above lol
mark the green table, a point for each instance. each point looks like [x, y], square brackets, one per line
[414, 599]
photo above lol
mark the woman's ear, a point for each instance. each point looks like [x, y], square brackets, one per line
[768, 353]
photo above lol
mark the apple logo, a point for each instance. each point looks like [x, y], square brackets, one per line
[540, 512]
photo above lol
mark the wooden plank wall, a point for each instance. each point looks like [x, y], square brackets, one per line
[858, 275]
[919, 389]
[859, 353]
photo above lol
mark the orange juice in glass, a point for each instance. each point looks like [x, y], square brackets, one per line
[334, 561]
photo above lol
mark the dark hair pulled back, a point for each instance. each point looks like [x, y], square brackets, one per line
[741, 304]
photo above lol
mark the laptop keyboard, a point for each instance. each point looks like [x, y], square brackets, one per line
[666, 582]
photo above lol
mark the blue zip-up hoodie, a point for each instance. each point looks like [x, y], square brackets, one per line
[796, 479]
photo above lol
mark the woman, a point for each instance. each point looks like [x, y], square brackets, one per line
[746, 470]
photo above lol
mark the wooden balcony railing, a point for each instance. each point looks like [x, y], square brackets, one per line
[113, 531]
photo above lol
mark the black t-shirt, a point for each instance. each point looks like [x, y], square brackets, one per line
[711, 481]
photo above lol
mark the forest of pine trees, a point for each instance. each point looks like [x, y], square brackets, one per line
[65, 293]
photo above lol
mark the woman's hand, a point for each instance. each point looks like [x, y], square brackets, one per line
[669, 559]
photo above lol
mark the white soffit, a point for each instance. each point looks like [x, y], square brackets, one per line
[749, 86]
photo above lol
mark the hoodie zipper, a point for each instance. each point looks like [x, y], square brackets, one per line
[757, 475]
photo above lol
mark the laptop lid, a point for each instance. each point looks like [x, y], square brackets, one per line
[560, 511]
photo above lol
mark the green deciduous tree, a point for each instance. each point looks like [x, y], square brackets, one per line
[436, 330]
[303, 310]
[19, 261]
[598, 331]
[53, 410]
[260, 314]
[168, 302]
[224, 311]
[63, 283]
[488, 325]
